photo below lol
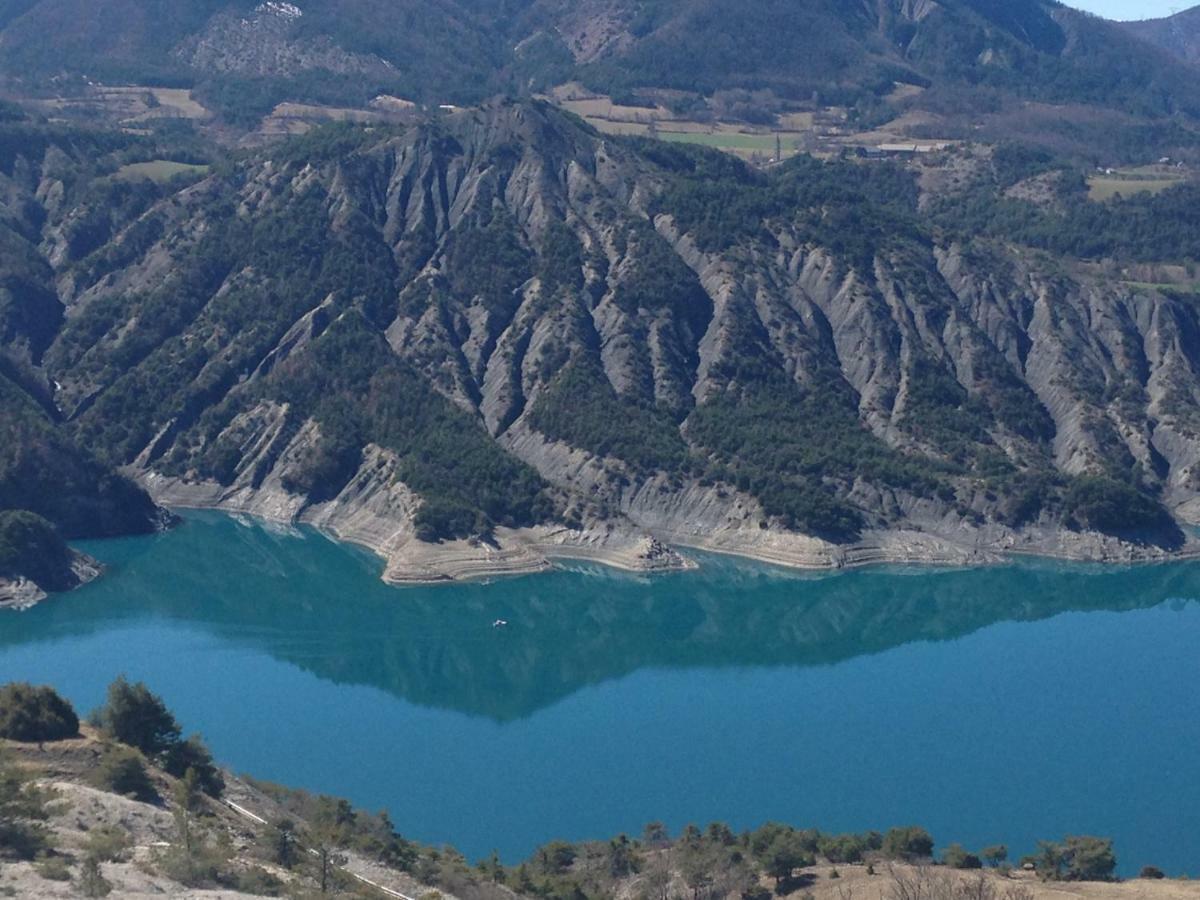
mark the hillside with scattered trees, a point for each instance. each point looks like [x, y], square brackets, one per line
[103, 811]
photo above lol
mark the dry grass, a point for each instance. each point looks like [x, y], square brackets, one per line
[172, 102]
[158, 170]
[902, 882]
[326, 113]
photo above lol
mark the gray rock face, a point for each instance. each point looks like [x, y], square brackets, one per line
[264, 43]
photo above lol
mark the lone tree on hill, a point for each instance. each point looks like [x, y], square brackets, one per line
[135, 716]
[780, 850]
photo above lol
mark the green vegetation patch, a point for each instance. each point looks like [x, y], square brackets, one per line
[1114, 507]
[30, 547]
[854, 210]
[581, 408]
[1104, 188]
[1160, 225]
[796, 451]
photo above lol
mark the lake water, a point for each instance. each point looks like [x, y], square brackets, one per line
[1004, 704]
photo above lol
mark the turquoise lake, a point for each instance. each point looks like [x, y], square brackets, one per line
[1004, 704]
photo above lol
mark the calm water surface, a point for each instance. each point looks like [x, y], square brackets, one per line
[996, 705]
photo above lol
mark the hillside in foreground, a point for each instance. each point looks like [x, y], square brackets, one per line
[90, 814]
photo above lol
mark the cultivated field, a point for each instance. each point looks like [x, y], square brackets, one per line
[130, 106]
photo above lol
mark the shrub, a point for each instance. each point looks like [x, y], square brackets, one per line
[1152, 872]
[91, 880]
[53, 868]
[123, 771]
[257, 881]
[203, 865]
[192, 755]
[22, 812]
[912, 842]
[108, 843]
[995, 854]
[958, 858]
[844, 848]
[35, 714]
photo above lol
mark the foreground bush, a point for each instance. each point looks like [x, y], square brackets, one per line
[123, 771]
[1076, 859]
[136, 717]
[908, 843]
[958, 858]
[35, 714]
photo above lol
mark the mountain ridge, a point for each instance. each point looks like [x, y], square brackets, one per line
[974, 58]
[502, 337]
[1178, 34]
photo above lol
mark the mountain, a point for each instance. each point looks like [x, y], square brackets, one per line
[1178, 34]
[52, 488]
[973, 58]
[50, 491]
[501, 336]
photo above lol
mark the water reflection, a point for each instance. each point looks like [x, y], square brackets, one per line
[305, 600]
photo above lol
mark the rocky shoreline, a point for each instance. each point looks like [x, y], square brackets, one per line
[379, 517]
[377, 513]
[21, 593]
[383, 524]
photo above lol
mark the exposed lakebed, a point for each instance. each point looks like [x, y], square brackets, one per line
[1000, 704]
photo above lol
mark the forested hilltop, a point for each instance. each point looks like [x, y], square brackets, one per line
[501, 330]
[125, 806]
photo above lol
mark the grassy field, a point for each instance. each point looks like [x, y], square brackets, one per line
[158, 170]
[744, 141]
[762, 143]
[1141, 180]
[725, 138]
